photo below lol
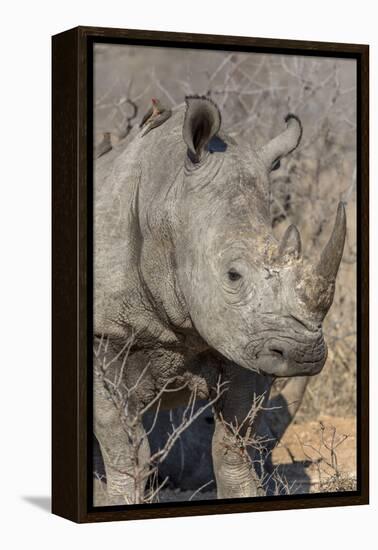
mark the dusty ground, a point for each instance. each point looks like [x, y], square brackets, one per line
[319, 456]
[315, 456]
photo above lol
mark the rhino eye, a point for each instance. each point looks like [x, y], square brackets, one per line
[233, 275]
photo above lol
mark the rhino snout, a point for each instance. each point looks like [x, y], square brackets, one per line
[283, 357]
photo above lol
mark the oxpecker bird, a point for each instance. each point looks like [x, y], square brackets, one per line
[105, 146]
[155, 116]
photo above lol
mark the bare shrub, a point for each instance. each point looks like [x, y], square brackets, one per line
[124, 398]
[324, 458]
[255, 449]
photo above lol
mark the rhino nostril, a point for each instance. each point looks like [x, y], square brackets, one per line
[277, 351]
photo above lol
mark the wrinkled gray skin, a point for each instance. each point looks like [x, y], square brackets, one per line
[185, 260]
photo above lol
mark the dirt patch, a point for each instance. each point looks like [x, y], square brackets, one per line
[319, 456]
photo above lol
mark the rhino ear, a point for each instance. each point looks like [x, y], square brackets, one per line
[202, 122]
[282, 145]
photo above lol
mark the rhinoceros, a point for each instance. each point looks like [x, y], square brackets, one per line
[186, 264]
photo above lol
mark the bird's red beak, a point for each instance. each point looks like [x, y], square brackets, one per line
[154, 100]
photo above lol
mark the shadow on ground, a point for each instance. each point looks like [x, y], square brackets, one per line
[41, 502]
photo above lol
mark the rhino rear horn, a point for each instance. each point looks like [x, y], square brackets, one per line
[291, 245]
[330, 258]
[283, 144]
[202, 122]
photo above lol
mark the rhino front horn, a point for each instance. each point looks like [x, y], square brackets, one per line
[283, 144]
[331, 256]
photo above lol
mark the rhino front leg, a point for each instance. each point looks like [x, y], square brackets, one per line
[234, 472]
[124, 448]
[232, 445]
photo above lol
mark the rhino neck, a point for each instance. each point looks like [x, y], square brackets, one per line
[153, 303]
[124, 303]
[159, 274]
[135, 279]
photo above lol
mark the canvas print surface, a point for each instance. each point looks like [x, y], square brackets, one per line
[224, 275]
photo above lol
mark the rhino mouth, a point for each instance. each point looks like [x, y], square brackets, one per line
[279, 357]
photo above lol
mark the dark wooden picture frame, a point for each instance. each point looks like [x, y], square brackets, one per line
[72, 92]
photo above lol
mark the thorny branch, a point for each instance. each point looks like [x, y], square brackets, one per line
[324, 457]
[124, 398]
